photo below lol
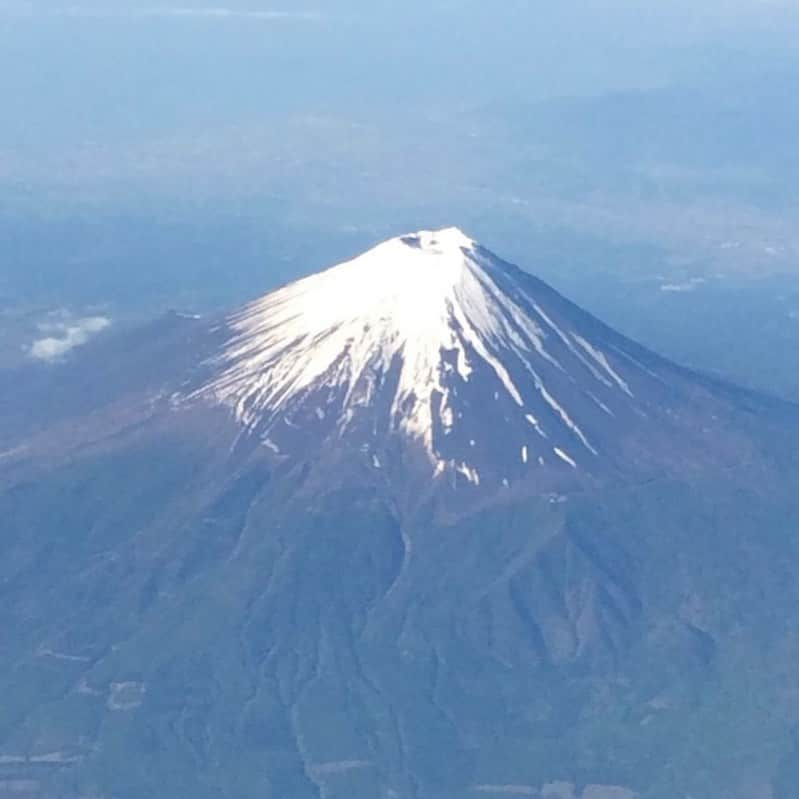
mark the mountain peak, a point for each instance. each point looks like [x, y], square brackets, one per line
[405, 269]
[429, 341]
[410, 312]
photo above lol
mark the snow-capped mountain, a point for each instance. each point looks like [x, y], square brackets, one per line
[430, 344]
[416, 527]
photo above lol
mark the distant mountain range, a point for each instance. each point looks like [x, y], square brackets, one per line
[413, 527]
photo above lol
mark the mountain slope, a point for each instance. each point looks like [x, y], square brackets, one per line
[309, 550]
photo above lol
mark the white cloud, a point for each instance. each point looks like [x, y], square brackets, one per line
[65, 336]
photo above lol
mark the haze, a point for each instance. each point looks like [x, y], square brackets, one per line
[192, 155]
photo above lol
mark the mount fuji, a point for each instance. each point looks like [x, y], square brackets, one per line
[430, 349]
[414, 527]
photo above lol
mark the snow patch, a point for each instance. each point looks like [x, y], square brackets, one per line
[602, 360]
[534, 422]
[470, 473]
[565, 457]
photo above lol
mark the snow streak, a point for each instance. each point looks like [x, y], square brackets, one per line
[416, 316]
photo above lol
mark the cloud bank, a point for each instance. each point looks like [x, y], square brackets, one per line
[65, 336]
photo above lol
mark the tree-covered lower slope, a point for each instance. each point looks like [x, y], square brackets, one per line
[176, 621]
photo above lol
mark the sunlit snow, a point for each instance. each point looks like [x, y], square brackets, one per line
[415, 316]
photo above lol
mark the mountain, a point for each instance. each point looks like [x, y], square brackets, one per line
[430, 349]
[416, 526]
